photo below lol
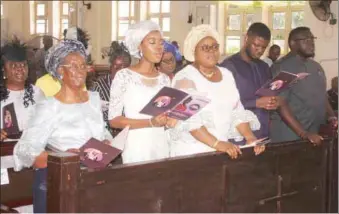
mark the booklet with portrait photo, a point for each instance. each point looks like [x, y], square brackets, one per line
[10, 122]
[178, 104]
[97, 154]
[279, 83]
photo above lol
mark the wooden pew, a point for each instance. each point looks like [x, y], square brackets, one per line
[19, 190]
[288, 177]
[332, 171]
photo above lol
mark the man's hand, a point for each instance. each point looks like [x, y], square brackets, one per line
[313, 138]
[333, 122]
[268, 103]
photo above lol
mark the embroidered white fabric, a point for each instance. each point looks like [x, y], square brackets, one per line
[221, 116]
[130, 92]
[60, 126]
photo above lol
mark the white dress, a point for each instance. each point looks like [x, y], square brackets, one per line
[60, 127]
[130, 92]
[22, 112]
[220, 116]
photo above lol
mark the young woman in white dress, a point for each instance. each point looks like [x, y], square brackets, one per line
[132, 88]
[224, 117]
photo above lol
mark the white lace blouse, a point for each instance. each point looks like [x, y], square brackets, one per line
[130, 92]
[60, 127]
[221, 116]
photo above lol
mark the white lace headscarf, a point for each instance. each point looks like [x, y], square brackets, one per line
[136, 33]
[195, 36]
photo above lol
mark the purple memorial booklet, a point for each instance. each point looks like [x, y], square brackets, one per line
[10, 122]
[97, 154]
[178, 104]
[279, 83]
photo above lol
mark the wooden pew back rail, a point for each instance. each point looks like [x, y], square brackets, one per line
[288, 177]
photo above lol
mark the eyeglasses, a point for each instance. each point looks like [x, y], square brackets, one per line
[308, 39]
[168, 61]
[209, 48]
[77, 66]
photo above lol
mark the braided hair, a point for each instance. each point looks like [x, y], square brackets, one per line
[117, 50]
[16, 51]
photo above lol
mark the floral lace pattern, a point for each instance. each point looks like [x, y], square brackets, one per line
[240, 116]
[126, 78]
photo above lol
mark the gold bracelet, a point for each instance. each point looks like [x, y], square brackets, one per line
[216, 143]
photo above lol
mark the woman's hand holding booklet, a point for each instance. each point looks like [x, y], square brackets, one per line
[259, 142]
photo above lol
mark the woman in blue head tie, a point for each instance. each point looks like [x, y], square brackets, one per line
[168, 63]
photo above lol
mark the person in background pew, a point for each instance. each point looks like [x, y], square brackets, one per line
[47, 83]
[64, 122]
[224, 117]
[119, 58]
[132, 88]
[15, 86]
[168, 62]
[333, 94]
[39, 58]
[273, 55]
[308, 98]
[250, 74]
[178, 55]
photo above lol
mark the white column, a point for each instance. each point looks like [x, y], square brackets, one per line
[221, 25]
[143, 10]
[80, 14]
[55, 19]
[114, 15]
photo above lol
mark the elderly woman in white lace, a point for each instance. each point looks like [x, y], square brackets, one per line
[64, 122]
[132, 88]
[224, 117]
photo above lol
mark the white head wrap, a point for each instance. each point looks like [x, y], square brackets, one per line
[136, 33]
[195, 36]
